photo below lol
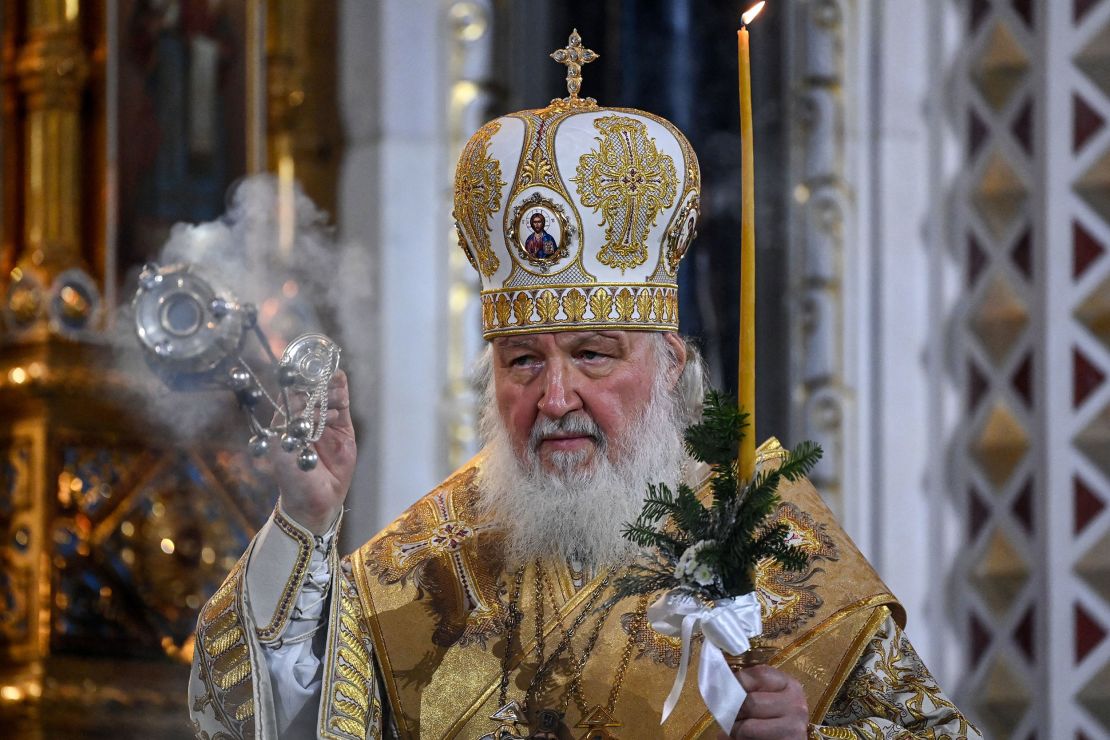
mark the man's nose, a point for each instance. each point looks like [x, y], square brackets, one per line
[560, 395]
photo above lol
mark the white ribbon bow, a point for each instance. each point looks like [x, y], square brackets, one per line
[727, 626]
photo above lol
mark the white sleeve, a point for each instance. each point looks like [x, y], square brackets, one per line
[289, 579]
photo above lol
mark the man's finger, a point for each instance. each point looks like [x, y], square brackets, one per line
[763, 678]
[761, 705]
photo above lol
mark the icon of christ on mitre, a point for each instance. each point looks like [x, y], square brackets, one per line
[488, 608]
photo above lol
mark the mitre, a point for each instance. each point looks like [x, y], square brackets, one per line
[576, 216]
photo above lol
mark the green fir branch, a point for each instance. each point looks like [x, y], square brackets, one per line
[734, 524]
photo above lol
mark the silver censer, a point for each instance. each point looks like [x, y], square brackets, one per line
[193, 333]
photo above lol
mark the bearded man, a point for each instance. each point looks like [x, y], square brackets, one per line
[483, 611]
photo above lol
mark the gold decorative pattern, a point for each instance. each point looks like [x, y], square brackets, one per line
[574, 303]
[626, 304]
[224, 655]
[547, 305]
[537, 169]
[463, 247]
[288, 598]
[630, 181]
[789, 598]
[643, 305]
[605, 305]
[650, 644]
[522, 309]
[478, 187]
[426, 547]
[891, 693]
[353, 707]
[601, 303]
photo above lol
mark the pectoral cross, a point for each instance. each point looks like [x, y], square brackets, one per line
[574, 55]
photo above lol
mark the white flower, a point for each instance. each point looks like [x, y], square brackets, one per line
[689, 567]
[704, 575]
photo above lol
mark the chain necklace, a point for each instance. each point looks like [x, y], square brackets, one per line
[596, 717]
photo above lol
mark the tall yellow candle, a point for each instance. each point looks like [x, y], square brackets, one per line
[747, 246]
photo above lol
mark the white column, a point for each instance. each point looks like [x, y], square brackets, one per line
[898, 278]
[392, 99]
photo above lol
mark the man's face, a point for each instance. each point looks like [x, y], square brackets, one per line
[593, 384]
[538, 222]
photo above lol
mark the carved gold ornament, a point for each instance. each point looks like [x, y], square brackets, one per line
[630, 181]
[478, 187]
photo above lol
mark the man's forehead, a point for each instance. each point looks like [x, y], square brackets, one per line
[561, 337]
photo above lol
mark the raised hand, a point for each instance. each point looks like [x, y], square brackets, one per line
[776, 707]
[314, 498]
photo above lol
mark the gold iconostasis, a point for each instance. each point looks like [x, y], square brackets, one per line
[122, 118]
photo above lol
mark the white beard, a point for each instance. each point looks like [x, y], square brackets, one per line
[578, 513]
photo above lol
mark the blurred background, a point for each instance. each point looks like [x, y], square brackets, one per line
[933, 210]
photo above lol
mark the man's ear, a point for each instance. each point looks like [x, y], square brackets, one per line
[678, 347]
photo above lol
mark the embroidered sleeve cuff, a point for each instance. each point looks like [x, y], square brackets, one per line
[279, 561]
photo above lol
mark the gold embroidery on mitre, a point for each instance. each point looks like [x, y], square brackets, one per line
[643, 305]
[630, 181]
[537, 169]
[478, 186]
[574, 303]
[788, 598]
[433, 547]
[601, 303]
[611, 305]
[538, 165]
[547, 305]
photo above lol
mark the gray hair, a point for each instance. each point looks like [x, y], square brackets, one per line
[689, 391]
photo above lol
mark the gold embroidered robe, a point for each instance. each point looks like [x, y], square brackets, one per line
[428, 597]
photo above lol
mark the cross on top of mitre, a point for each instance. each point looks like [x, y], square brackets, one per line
[574, 55]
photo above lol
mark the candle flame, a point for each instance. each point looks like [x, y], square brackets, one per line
[752, 12]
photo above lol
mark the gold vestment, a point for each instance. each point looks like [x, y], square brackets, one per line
[428, 598]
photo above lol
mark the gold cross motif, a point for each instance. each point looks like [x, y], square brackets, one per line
[574, 56]
[630, 180]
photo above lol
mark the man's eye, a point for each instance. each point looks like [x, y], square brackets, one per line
[522, 361]
[589, 354]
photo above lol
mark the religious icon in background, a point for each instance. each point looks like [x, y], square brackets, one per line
[182, 116]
